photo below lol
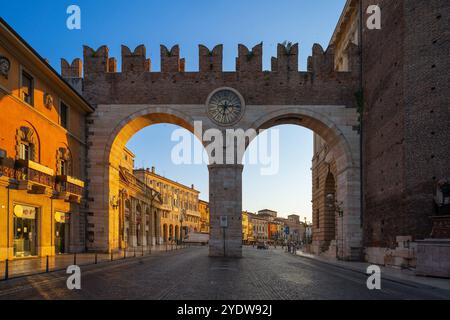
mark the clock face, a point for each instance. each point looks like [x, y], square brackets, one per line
[225, 107]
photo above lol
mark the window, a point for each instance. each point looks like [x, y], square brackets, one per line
[64, 162]
[64, 115]
[27, 144]
[62, 167]
[27, 88]
[25, 151]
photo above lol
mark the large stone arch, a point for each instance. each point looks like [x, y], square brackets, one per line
[115, 125]
[318, 122]
[336, 126]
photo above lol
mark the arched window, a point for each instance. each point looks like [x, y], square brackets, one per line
[27, 144]
[64, 162]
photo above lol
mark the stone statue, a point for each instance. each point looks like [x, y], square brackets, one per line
[5, 65]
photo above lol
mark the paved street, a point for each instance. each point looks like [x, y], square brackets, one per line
[190, 274]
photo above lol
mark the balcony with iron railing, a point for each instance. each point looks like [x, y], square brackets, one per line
[9, 172]
[38, 179]
[34, 177]
[69, 188]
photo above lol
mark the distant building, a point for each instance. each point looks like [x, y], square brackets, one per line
[247, 228]
[180, 205]
[268, 213]
[203, 207]
[260, 227]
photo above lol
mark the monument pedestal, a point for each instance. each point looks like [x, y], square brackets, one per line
[433, 255]
[433, 258]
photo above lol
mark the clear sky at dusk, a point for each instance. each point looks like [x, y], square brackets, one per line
[189, 23]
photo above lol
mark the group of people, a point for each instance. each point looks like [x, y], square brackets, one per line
[291, 247]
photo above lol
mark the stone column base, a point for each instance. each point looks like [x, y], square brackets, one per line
[225, 185]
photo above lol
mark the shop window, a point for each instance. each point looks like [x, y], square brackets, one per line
[25, 231]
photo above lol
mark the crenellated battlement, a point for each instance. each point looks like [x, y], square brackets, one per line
[284, 84]
[73, 70]
[287, 58]
[95, 61]
[210, 60]
[135, 61]
[170, 60]
[320, 63]
[249, 61]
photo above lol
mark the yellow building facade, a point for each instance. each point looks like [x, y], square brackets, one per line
[42, 155]
[180, 213]
[247, 228]
[140, 208]
[203, 207]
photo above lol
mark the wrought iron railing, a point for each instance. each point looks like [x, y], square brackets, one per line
[36, 176]
[64, 186]
[9, 172]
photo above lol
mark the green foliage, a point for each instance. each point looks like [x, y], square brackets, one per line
[288, 46]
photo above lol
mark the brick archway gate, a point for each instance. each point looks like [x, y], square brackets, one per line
[320, 99]
[334, 125]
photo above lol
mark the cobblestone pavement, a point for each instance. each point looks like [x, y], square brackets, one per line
[190, 274]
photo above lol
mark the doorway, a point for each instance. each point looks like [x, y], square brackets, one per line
[62, 233]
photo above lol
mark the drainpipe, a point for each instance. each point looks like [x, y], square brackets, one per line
[361, 27]
[7, 224]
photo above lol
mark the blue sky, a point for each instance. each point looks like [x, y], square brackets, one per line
[189, 23]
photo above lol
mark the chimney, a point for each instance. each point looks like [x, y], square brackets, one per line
[153, 170]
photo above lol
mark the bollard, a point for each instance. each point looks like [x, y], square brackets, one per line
[75, 259]
[112, 256]
[124, 253]
[6, 269]
[96, 259]
[46, 265]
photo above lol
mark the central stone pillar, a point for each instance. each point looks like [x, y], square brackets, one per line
[225, 201]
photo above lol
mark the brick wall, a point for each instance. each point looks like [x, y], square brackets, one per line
[284, 85]
[406, 118]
